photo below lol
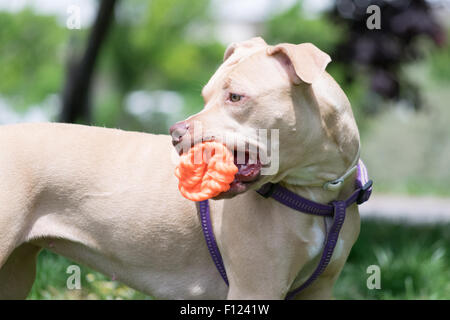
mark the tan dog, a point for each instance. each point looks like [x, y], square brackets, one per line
[109, 199]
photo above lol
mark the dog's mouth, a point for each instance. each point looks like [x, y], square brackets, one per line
[249, 171]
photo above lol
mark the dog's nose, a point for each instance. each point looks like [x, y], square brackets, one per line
[177, 131]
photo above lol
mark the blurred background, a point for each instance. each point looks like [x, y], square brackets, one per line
[140, 65]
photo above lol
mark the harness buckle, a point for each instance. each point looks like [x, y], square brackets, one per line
[365, 192]
[267, 189]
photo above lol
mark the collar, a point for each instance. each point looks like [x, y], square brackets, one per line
[363, 190]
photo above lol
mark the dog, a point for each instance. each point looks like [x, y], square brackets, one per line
[108, 198]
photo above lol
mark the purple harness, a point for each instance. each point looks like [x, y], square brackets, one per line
[335, 210]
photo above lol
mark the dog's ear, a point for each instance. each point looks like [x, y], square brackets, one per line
[304, 62]
[256, 41]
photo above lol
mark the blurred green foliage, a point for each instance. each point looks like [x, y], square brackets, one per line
[149, 48]
[153, 50]
[30, 57]
[440, 63]
[294, 26]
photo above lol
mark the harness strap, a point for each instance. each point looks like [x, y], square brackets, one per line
[330, 244]
[211, 243]
[336, 210]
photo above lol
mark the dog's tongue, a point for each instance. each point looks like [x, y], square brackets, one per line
[248, 172]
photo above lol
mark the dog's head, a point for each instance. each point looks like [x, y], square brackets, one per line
[278, 110]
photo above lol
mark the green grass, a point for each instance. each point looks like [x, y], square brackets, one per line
[51, 282]
[414, 263]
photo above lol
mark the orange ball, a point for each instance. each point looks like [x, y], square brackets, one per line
[205, 171]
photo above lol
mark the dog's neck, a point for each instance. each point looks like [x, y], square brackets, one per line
[316, 191]
[312, 181]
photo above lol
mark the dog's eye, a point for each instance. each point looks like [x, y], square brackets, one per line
[234, 97]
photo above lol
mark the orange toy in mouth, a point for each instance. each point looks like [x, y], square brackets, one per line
[205, 171]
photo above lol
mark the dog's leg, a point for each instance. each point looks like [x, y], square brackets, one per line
[236, 293]
[18, 273]
[321, 289]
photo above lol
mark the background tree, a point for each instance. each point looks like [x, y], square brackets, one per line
[75, 97]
